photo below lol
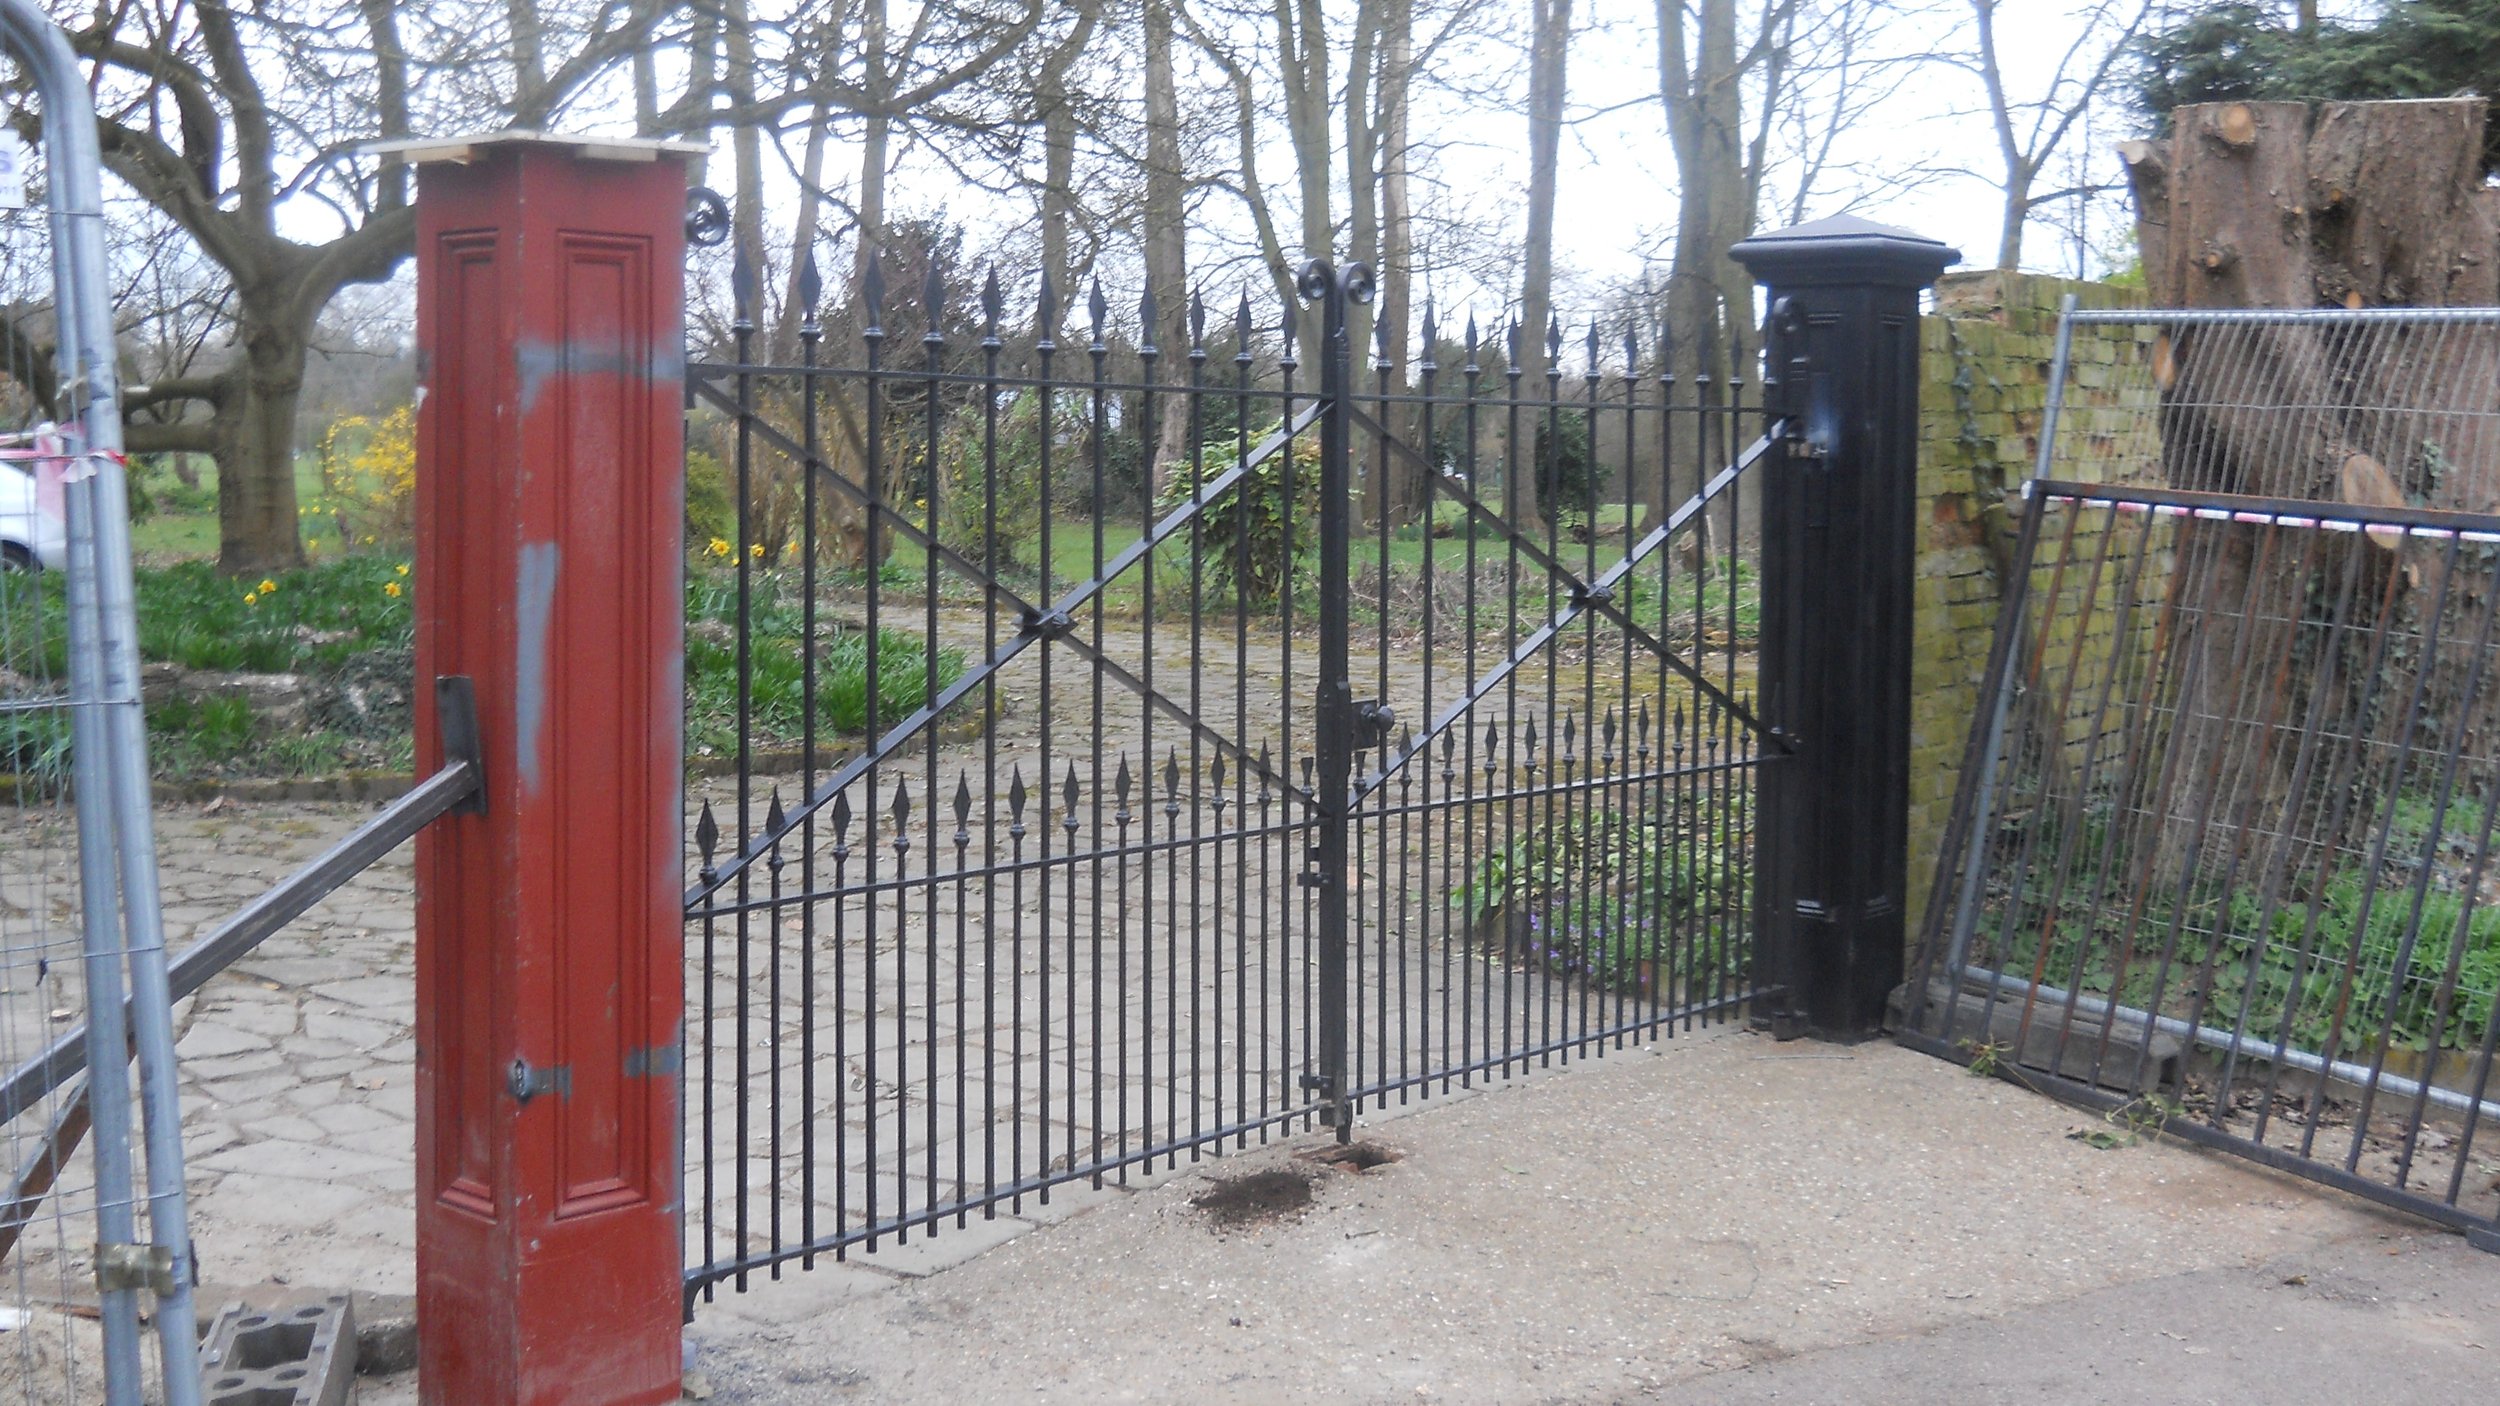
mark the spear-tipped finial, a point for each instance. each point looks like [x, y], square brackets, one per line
[1146, 323]
[872, 288]
[1046, 312]
[933, 298]
[811, 289]
[992, 304]
[742, 291]
[1198, 322]
[1098, 307]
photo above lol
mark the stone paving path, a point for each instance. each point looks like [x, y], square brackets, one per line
[297, 1064]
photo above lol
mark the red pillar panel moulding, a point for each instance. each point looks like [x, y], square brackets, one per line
[550, 967]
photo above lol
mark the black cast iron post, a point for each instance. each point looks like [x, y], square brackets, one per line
[1333, 732]
[1839, 549]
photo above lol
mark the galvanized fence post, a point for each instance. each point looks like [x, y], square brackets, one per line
[1839, 545]
[124, 928]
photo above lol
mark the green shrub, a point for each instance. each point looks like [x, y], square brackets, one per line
[1621, 899]
[2313, 955]
[711, 503]
[970, 465]
[776, 682]
[1253, 537]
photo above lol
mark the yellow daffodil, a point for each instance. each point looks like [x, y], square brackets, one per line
[720, 546]
[756, 551]
[251, 598]
[268, 587]
[390, 588]
[403, 568]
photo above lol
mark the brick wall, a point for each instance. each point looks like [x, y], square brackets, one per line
[1986, 353]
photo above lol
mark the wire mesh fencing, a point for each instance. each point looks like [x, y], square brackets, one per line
[2220, 859]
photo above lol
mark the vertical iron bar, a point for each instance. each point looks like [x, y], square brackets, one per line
[1333, 718]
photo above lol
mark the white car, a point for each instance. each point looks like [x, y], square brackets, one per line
[31, 534]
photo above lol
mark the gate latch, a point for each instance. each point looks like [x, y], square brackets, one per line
[1372, 720]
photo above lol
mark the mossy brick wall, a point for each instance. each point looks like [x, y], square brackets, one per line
[1986, 355]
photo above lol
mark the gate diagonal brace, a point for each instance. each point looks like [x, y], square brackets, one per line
[1598, 596]
[1037, 625]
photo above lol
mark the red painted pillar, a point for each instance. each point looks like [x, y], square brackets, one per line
[550, 976]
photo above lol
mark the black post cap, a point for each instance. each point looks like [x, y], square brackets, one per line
[1844, 249]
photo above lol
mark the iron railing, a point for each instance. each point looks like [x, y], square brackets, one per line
[1122, 753]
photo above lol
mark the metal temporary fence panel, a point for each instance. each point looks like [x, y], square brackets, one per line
[80, 933]
[1084, 779]
[2220, 858]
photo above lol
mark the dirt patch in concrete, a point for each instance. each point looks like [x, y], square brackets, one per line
[1236, 1203]
[1355, 1157]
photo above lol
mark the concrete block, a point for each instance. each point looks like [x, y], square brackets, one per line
[297, 1354]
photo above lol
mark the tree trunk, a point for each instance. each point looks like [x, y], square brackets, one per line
[2016, 214]
[1397, 248]
[2270, 205]
[1167, 245]
[1710, 324]
[1058, 184]
[1362, 167]
[255, 436]
[1549, 46]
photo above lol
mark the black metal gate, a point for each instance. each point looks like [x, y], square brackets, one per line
[1110, 753]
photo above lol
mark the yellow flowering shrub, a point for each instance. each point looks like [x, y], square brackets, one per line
[369, 475]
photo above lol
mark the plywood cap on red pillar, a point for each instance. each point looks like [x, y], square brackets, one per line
[419, 151]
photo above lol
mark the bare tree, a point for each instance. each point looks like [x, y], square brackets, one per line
[217, 116]
[2029, 130]
[1721, 156]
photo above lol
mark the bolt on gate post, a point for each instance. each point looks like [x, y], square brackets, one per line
[1839, 550]
[550, 978]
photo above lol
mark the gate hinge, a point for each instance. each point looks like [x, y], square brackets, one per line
[1329, 1102]
[1373, 718]
[149, 1267]
[528, 1083]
